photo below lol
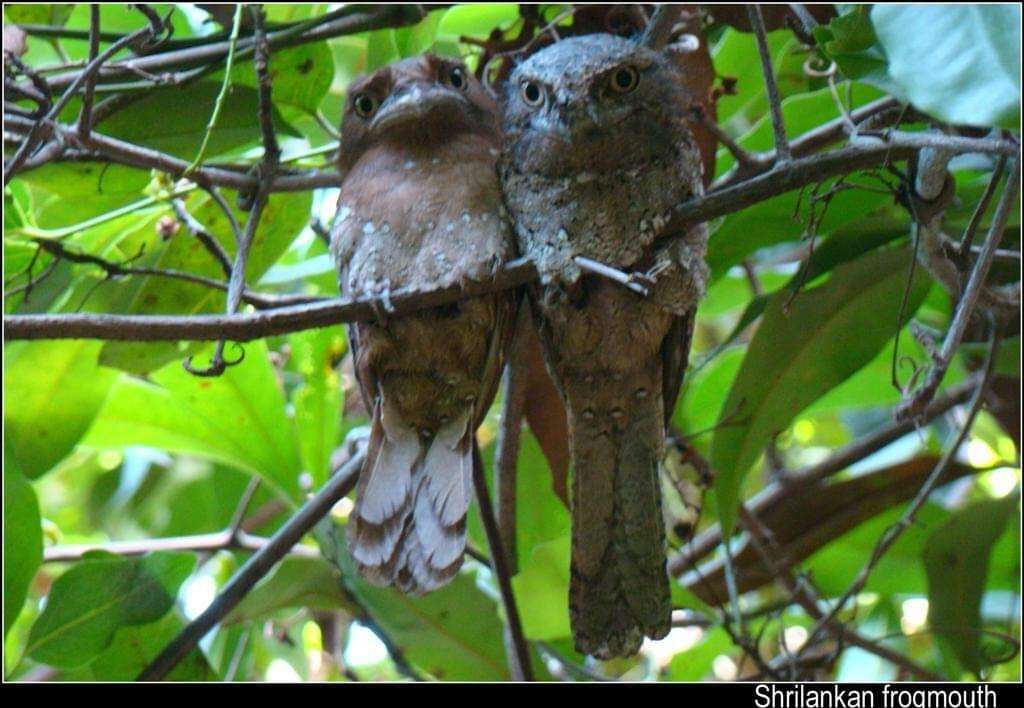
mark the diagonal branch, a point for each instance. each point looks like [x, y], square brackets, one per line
[968, 303]
[893, 533]
[258, 565]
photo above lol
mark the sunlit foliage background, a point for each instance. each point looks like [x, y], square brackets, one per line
[115, 441]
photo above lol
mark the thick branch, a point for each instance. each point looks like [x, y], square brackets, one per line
[866, 153]
[246, 327]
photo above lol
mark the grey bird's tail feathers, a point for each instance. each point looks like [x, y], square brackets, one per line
[619, 589]
[408, 526]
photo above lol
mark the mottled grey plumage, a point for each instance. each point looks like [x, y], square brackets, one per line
[420, 207]
[596, 154]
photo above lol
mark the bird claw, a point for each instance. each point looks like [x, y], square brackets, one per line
[380, 302]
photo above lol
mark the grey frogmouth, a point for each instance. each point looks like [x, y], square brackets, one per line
[596, 154]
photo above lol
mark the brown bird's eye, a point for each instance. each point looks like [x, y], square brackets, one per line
[625, 79]
[365, 105]
[532, 94]
[457, 77]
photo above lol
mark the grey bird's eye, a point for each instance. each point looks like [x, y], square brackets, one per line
[457, 77]
[365, 105]
[624, 80]
[531, 93]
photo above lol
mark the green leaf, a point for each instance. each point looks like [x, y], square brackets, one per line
[542, 590]
[44, 14]
[317, 401]
[23, 542]
[66, 193]
[52, 392]
[956, 559]
[959, 63]
[850, 41]
[237, 418]
[134, 647]
[97, 596]
[476, 19]
[695, 664]
[302, 75]
[899, 571]
[145, 122]
[799, 354]
[453, 633]
[296, 582]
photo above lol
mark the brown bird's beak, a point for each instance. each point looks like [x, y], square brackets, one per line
[414, 102]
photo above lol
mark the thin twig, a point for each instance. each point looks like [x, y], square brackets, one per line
[204, 237]
[968, 303]
[613, 274]
[205, 542]
[85, 115]
[981, 208]
[36, 133]
[863, 447]
[222, 94]
[799, 590]
[267, 169]
[115, 270]
[892, 534]
[519, 659]
[258, 565]
[771, 88]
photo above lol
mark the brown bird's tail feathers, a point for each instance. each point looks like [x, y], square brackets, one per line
[619, 588]
[408, 527]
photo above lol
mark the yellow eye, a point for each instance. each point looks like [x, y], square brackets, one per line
[624, 80]
[457, 77]
[364, 104]
[532, 93]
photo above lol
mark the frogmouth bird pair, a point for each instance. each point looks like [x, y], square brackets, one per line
[589, 152]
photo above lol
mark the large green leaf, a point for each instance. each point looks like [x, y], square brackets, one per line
[97, 596]
[542, 587]
[453, 633]
[145, 122]
[134, 647]
[802, 351]
[956, 559]
[52, 392]
[237, 418]
[960, 63]
[301, 75]
[318, 399]
[23, 541]
[476, 19]
[67, 193]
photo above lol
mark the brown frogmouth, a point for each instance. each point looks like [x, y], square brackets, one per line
[596, 153]
[420, 208]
